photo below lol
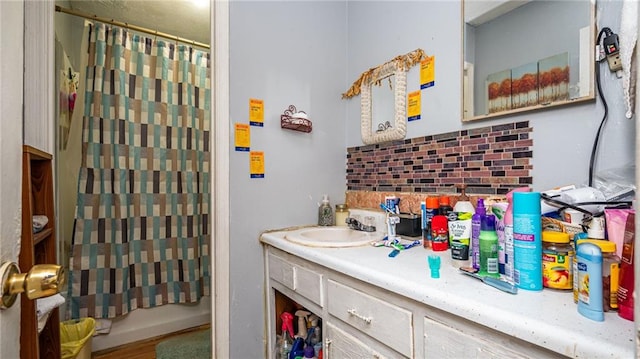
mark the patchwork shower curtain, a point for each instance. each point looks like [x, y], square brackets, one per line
[141, 236]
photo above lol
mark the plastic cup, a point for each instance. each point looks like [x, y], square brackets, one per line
[434, 265]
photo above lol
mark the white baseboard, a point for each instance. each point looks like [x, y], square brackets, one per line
[143, 324]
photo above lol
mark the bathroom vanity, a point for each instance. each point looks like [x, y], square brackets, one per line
[375, 306]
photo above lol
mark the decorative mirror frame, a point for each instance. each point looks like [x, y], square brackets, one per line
[398, 68]
[398, 129]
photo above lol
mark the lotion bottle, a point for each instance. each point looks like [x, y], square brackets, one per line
[627, 283]
[476, 221]
[463, 204]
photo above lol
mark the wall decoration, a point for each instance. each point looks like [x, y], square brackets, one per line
[69, 81]
[293, 119]
[524, 85]
[256, 112]
[414, 104]
[256, 164]
[499, 91]
[242, 136]
[553, 75]
[395, 68]
[427, 72]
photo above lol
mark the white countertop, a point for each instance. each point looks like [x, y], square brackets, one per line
[546, 318]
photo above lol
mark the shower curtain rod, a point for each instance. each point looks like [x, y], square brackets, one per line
[130, 26]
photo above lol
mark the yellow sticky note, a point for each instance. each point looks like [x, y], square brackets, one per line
[256, 112]
[242, 137]
[414, 105]
[427, 72]
[256, 164]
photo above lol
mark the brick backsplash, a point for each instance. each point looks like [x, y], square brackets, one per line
[489, 160]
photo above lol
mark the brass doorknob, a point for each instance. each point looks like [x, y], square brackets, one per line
[42, 280]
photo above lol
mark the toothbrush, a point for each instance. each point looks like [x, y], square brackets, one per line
[386, 209]
[412, 244]
[494, 282]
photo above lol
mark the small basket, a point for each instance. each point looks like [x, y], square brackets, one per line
[289, 121]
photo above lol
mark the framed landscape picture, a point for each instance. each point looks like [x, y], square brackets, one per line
[553, 78]
[524, 85]
[499, 91]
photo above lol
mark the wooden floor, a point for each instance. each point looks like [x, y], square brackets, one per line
[144, 349]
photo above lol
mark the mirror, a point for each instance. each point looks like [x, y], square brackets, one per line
[390, 106]
[525, 55]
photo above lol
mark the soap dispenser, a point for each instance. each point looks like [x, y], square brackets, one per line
[325, 212]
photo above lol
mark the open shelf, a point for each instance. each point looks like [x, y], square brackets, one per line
[37, 248]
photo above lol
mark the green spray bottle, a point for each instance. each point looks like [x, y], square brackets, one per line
[488, 247]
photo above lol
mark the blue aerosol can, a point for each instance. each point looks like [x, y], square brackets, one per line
[527, 240]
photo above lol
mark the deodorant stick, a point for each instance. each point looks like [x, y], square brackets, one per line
[590, 281]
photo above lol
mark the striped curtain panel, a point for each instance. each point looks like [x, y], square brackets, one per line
[141, 236]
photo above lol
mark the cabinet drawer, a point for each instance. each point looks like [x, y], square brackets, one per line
[299, 279]
[377, 318]
[340, 344]
[443, 341]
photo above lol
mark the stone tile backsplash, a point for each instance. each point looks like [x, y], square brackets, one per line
[489, 160]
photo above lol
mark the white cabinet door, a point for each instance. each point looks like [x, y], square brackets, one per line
[341, 345]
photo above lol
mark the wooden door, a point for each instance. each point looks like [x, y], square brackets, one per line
[11, 85]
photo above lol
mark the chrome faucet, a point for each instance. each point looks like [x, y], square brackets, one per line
[358, 226]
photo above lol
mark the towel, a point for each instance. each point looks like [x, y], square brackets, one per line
[39, 221]
[44, 306]
[627, 38]
[47, 304]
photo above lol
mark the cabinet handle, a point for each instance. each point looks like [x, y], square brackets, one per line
[354, 313]
[327, 343]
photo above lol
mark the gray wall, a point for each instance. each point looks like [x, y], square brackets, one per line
[380, 30]
[285, 53]
[307, 54]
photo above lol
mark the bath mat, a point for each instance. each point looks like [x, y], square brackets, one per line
[193, 346]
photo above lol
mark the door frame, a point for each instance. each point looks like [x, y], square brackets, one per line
[39, 131]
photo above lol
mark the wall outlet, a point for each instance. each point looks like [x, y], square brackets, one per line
[614, 62]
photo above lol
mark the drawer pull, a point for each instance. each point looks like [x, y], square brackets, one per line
[354, 313]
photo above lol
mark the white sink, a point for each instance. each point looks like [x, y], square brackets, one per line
[332, 237]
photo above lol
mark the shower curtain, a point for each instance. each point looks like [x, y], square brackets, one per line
[141, 236]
